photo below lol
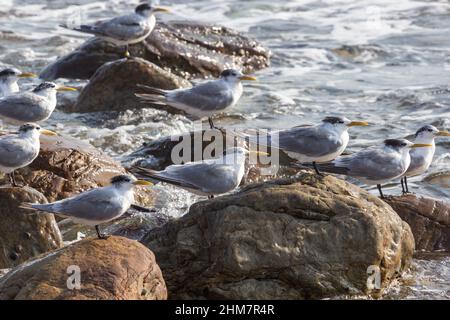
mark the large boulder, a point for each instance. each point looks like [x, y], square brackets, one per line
[24, 235]
[67, 166]
[298, 238]
[428, 218]
[107, 90]
[116, 268]
[188, 49]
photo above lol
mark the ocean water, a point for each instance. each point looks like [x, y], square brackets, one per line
[382, 61]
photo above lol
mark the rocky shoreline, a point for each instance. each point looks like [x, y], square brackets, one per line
[297, 238]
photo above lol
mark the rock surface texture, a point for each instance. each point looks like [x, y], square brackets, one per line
[113, 86]
[428, 218]
[24, 235]
[112, 269]
[187, 49]
[305, 237]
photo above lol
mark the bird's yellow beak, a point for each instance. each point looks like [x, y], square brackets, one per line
[248, 78]
[48, 132]
[160, 9]
[64, 88]
[27, 75]
[420, 145]
[142, 183]
[357, 124]
[443, 133]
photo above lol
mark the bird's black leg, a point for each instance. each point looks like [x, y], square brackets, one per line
[406, 185]
[403, 186]
[316, 169]
[12, 180]
[211, 123]
[381, 192]
[99, 234]
[211, 196]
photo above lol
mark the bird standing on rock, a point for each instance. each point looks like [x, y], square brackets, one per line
[421, 158]
[95, 206]
[320, 143]
[31, 106]
[124, 30]
[9, 78]
[205, 178]
[204, 99]
[375, 165]
[19, 150]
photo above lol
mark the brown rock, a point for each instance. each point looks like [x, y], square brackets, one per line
[24, 235]
[107, 90]
[112, 269]
[428, 218]
[308, 237]
[188, 49]
[67, 166]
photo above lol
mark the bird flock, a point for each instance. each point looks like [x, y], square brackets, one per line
[320, 146]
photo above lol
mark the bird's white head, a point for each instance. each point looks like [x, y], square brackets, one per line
[403, 145]
[9, 78]
[127, 182]
[341, 124]
[147, 10]
[235, 76]
[33, 130]
[427, 133]
[47, 88]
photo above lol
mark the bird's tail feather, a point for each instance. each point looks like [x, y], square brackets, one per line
[153, 98]
[329, 167]
[152, 90]
[81, 28]
[144, 172]
[35, 207]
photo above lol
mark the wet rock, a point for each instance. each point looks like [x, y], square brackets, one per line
[428, 218]
[67, 166]
[24, 235]
[305, 237]
[112, 269]
[188, 49]
[113, 86]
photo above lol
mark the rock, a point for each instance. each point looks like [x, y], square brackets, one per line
[67, 166]
[428, 218]
[24, 235]
[107, 90]
[116, 268]
[301, 238]
[188, 49]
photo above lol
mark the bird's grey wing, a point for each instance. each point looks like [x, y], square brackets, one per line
[371, 164]
[307, 141]
[204, 96]
[14, 151]
[201, 176]
[21, 107]
[90, 205]
[123, 28]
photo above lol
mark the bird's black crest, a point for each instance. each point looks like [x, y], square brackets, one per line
[334, 120]
[142, 7]
[44, 85]
[396, 143]
[428, 128]
[28, 126]
[228, 73]
[8, 72]
[120, 179]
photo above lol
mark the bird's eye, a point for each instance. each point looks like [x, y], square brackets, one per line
[429, 130]
[38, 128]
[340, 121]
[403, 144]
